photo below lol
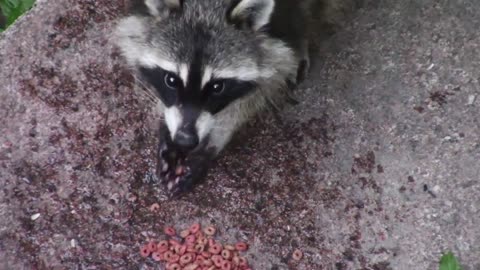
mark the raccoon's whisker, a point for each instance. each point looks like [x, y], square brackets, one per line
[146, 90]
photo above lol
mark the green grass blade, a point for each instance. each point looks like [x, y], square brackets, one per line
[12, 9]
[449, 262]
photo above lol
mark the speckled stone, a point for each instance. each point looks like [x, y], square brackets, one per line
[377, 168]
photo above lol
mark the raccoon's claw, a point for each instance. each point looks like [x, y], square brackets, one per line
[188, 173]
[166, 161]
[179, 173]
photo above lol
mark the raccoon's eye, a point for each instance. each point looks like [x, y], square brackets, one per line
[172, 81]
[216, 87]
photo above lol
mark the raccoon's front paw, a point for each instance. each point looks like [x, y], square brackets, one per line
[180, 173]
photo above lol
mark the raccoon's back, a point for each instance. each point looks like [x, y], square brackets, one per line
[295, 20]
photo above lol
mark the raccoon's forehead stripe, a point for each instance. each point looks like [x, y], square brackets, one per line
[184, 73]
[207, 76]
[152, 60]
[247, 73]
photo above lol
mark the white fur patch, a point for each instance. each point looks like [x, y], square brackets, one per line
[261, 10]
[152, 60]
[243, 73]
[174, 119]
[184, 73]
[207, 76]
[204, 124]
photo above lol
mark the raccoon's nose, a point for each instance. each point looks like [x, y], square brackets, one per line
[186, 140]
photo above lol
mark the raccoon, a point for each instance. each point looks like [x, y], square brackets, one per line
[212, 65]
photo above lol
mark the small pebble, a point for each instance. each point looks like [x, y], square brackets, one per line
[471, 99]
[35, 216]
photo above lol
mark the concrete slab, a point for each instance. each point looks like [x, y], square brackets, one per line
[376, 168]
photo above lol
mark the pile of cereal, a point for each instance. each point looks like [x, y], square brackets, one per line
[195, 249]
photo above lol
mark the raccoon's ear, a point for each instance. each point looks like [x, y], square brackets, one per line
[252, 13]
[161, 8]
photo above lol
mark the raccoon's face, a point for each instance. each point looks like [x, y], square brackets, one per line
[199, 57]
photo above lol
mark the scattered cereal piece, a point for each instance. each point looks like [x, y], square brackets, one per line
[152, 247]
[157, 256]
[242, 262]
[190, 239]
[210, 230]
[170, 231]
[184, 233]
[144, 251]
[174, 242]
[195, 228]
[217, 260]
[162, 246]
[191, 249]
[229, 247]
[199, 260]
[215, 249]
[174, 266]
[208, 262]
[199, 248]
[226, 265]
[206, 254]
[186, 259]
[168, 255]
[211, 242]
[174, 258]
[199, 234]
[297, 255]
[241, 246]
[202, 240]
[192, 266]
[226, 254]
[180, 249]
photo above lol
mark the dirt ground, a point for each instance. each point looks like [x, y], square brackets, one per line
[377, 168]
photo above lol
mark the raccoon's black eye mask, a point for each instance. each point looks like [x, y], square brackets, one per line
[215, 95]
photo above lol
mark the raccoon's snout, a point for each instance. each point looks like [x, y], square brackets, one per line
[186, 140]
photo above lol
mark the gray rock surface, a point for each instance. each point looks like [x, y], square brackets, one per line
[377, 168]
